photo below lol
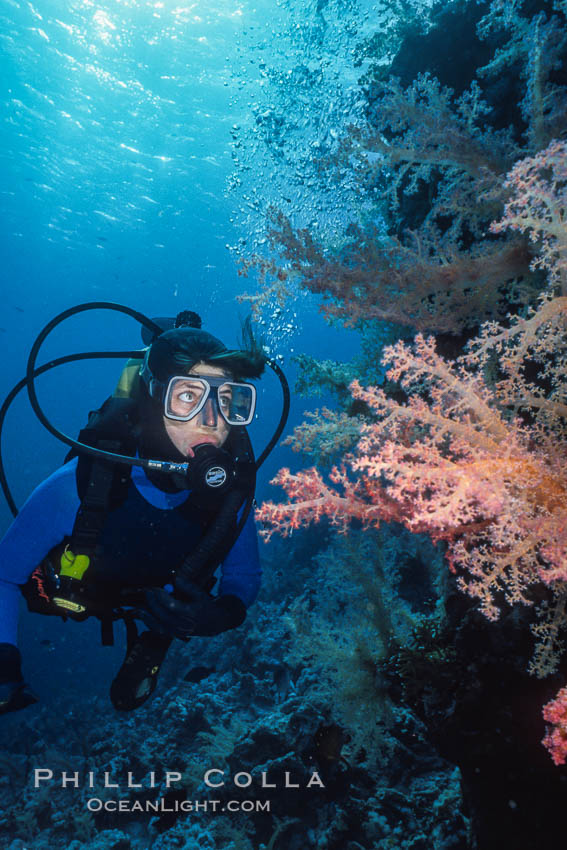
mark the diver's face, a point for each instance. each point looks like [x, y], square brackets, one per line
[206, 426]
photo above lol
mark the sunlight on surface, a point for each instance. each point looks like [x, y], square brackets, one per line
[103, 25]
[117, 21]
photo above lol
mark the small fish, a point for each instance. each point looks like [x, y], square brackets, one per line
[46, 642]
[3, 330]
[197, 674]
[19, 309]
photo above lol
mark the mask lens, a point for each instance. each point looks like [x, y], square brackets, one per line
[236, 403]
[185, 397]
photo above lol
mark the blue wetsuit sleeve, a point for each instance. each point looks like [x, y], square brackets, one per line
[45, 519]
[241, 571]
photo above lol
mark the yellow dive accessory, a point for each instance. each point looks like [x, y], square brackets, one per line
[73, 568]
[129, 380]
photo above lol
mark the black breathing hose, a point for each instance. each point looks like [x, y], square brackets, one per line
[33, 371]
[30, 379]
[285, 411]
[68, 358]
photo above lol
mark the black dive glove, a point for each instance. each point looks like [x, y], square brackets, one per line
[196, 613]
[14, 693]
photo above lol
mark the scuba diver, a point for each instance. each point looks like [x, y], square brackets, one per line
[154, 496]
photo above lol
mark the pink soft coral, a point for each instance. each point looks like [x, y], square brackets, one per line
[311, 499]
[555, 712]
[477, 455]
[454, 465]
[538, 207]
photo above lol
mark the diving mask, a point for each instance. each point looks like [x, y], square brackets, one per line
[188, 395]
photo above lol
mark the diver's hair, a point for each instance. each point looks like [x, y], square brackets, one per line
[248, 361]
[253, 346]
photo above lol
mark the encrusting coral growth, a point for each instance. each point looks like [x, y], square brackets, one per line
[476, 455]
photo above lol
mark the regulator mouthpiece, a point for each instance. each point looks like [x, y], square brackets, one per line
[212, 471]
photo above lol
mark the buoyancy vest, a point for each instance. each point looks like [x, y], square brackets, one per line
[120, 542]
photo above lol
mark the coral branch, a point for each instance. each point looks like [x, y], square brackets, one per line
[538, 207]
[424, 128]
[311, 500]
[425, 281]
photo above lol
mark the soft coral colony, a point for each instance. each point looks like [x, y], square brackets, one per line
[434, 268]
[473, 451]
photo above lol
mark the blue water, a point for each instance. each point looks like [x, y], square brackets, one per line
[129, 161]
[119, 153]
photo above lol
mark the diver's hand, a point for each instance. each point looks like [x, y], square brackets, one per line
[196, 614]
[14, 693]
